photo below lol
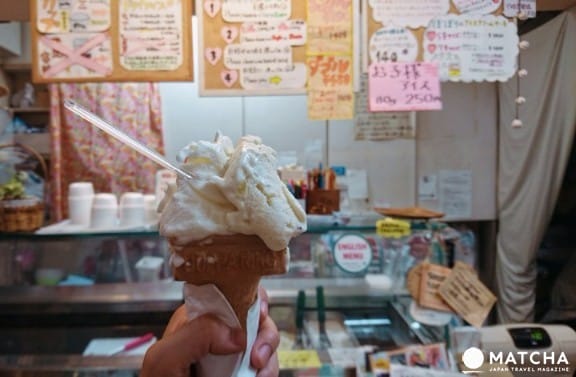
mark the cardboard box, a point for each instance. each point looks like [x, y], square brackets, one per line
[432, 277]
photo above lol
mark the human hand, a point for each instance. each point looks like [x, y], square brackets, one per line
[172, 355]
[264, 357]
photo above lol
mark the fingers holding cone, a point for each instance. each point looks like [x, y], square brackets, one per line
[209, 334]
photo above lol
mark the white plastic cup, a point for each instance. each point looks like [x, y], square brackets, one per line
[80, 189]
[148, 268]
[80, 198]
[104, 211]
[150, 212]
[132, 210]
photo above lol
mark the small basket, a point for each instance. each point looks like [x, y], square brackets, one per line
[21, 215]
[26, 214]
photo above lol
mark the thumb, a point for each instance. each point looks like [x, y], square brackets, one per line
[174, 353]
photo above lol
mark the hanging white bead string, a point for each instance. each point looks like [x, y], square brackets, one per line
[521, 73]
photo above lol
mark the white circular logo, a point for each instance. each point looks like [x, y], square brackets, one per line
[473, 358]
[352, 253]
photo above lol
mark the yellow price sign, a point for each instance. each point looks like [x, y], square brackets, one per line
[392, 228]
[296, 359]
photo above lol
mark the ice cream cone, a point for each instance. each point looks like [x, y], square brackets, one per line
[235, 264]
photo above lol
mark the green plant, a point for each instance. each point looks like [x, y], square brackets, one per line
[14, 188]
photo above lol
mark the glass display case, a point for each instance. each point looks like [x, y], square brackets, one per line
[60, 291]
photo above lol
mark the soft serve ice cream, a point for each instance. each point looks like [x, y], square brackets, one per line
[228, 226]
[234, 190]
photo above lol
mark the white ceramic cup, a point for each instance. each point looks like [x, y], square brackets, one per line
[104, 211]
[132, 209]
[80, 198]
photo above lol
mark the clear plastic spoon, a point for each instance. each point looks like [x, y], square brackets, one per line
[121, 136]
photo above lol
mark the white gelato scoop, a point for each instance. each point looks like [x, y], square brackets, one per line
[234, 190]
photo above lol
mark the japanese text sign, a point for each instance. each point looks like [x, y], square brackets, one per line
[404, 87]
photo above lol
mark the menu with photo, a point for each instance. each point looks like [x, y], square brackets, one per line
[111, 40]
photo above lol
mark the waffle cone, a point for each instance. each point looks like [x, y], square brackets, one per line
[235, 264]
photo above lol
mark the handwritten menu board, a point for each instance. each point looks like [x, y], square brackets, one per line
[330, 62]
[472, 48]
[329, 27]
[330, 93]
[250, 47]
[377, 126]
[111, 40]
[404, 87]
[468, 39]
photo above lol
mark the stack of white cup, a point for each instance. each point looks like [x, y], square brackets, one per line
[132, 209]
[104, 211]
[80, 198]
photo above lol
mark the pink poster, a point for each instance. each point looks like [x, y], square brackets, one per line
[404, 87]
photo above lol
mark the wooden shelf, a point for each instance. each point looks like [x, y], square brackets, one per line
[17, 67]
[24, 110]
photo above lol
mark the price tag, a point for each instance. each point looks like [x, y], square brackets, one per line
[392, 228]
[404, 87]
[298, 359]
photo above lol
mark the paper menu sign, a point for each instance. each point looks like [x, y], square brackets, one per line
[329, 59]
[477, 6]
[393, 44]
[404, 87]
[65, 55]
[73, 16]
[427, 187]
[242, 46]
[513, 8]
[411, 13]
[151, 37]
[330, 94]
[467, 296]
[455, 193]
[251, 10]
[293, 32]
[259, 54]
[329, 27]
[375, 126]
[472, 47]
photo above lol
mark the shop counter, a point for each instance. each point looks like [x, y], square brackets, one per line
[46, 329]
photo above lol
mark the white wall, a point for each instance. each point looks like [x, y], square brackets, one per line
[10, 39]
[461, 136]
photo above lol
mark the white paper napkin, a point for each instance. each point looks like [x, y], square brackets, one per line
[200, 300]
